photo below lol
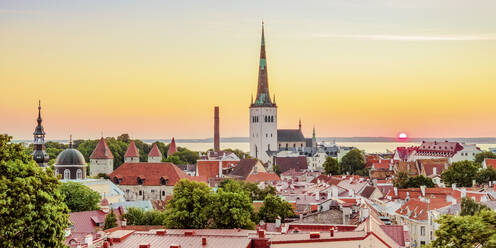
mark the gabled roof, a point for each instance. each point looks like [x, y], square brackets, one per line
[367, 191]
[102, 151]
[286, 163]
[262, 177]
[155, 152]
[132, 151]
[172, 148]
[150, 173]
[290, 135]
[396, 233]
[244, 167]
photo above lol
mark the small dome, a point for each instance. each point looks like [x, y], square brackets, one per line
[70, 157]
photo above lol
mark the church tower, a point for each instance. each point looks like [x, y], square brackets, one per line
[263, 114]
[39, 153]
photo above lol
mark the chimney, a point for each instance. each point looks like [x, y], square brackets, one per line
[395, 191]
[123, 222]
[464, 193]
[161, 232]
[204, 241]
[175, 246]
[422, 189]
[278, 221]
[88, 239]
[434, 171]
[331, 230]
[261, 234]
[145, 245]
[216, 129]
[220, 167]
[453, 186]
[473, 183]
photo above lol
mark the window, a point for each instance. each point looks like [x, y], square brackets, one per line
[127, 190]
[79, 174]
[163, 193]
[266, 135]
[272, 119]
[422, 230]
[67, 174]
[140, 193]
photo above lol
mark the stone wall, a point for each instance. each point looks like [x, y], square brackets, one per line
[140, 192]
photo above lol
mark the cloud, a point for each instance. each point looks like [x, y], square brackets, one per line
[393, 37]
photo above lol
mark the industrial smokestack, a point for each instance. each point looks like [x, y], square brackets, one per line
[216, 129]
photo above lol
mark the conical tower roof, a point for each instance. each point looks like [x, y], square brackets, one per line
[102, 151]
[172, 148]
[155, 152]
[132, 151]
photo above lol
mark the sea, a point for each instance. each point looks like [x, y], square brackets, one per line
[368, 147]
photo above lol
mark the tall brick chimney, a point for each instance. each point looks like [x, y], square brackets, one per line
[216, 130]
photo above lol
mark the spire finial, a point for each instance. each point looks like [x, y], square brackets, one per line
[70, 141]
[299, 124]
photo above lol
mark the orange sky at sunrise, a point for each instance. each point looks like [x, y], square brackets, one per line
[157, 70]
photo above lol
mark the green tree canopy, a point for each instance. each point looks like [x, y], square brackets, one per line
[479, 158]
[273, 207]
[417, 181]
[79, 197]
[32, 211]
[466, 231]
[462, 173]
[486, 175]
[232, 210]
[332, 166]
[110, 220]
[189, 207]
[400, 179]
[470, 207]
[252, 189]
[137, 216]
[353, 163]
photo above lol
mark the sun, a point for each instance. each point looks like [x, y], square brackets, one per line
[402, 136]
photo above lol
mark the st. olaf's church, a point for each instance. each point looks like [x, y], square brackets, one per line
[265, 139]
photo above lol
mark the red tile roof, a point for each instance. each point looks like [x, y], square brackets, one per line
[152, 173]
[86, 222]
[396, 233]
[262, 177]
[155, 152]
[287, 163]
[417, 210]
[132, 151]
[102, 151]
[429, 169]
[490, 162]
[172, 147]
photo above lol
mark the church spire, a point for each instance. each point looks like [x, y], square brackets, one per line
[39, 153]
[263, 96]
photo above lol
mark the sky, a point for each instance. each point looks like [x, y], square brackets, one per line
[156, 69]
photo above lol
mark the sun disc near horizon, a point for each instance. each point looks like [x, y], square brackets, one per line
[402, 136]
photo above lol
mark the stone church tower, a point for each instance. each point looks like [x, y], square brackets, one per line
[263, 114]
[101, 159]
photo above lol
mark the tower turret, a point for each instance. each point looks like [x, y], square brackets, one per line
[39, 153]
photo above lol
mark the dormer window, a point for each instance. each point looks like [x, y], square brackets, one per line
[163, 181]
[116, 180]
[140, 180]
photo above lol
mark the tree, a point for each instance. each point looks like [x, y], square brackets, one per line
[470, 207]
[110, 220]
[189, 207]
[252, 189]
[486, 175]
[32, 211]
[232, 210]
[137, 216]
[331, 166]
[479, 158]
[79, 197]
[273, 207]
[462, 173]
[173, 159]
[417, 181]
[400, 179]
[353, 162]
[277, 169]
[466, 231]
